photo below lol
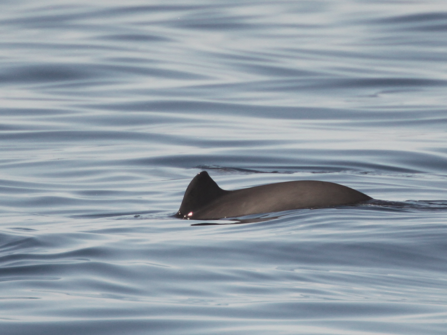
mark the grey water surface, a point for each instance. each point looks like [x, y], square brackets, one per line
[109, 109]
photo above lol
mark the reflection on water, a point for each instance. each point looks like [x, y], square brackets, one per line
[109, 109]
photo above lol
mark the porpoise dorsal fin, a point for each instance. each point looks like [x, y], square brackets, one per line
[201, 191]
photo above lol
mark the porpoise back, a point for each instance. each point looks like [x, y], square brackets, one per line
[205, 200]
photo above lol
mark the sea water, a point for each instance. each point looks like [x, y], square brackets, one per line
[110, 108]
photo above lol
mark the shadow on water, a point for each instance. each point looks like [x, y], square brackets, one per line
[119, 215]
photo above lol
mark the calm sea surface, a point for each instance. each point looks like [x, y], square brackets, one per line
[108, 109]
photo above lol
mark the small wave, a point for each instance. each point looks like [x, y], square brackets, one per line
[423, 205]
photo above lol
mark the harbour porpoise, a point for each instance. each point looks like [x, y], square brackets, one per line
[205, 200]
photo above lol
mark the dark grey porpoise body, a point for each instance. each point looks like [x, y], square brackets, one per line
[205, 200]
